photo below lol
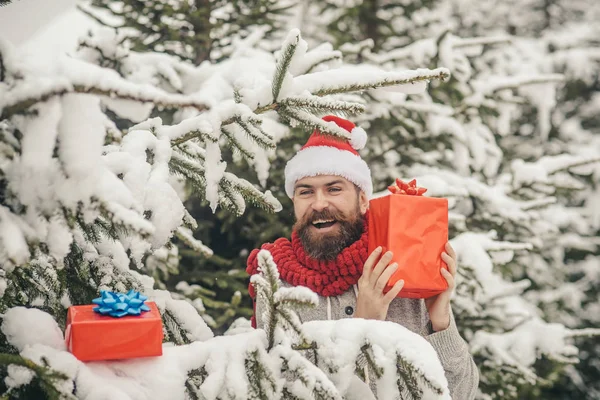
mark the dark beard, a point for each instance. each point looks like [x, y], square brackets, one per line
[328, 246]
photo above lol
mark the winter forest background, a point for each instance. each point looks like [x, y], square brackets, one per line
[150, 155]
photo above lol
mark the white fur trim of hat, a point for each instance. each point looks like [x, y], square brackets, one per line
[326, 160]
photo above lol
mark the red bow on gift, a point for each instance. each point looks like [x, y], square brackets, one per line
[409, 188]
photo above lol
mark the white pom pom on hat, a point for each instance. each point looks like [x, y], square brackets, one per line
[358, 139]
[324, 154]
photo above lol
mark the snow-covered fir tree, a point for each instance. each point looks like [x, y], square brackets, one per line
[505, 141]
[559, 37]
[196, 32]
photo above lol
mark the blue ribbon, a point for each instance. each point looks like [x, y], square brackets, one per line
[119, 304]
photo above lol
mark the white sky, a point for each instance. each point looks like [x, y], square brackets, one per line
[45, 26]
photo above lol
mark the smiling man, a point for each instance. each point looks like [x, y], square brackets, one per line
[330, 186]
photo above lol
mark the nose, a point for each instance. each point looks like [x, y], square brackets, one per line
[320, 202]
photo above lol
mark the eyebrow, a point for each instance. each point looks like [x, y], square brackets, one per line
[306, 186]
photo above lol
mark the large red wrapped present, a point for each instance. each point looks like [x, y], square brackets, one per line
[415, 229]
[115, 329]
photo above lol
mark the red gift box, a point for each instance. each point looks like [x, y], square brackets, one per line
[415, 229]
[91, 336]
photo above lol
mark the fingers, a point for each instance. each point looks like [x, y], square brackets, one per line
[393, 293]
[450, 262]
[380, 266]
[449, 278]
[450, 250]
[370, 262]
[385, 276]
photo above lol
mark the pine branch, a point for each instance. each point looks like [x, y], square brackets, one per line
[250, 128]
[115, 225]
[186, 236]
[189, 221]
[586, 332]
[173, 329]
[320, 105]
[191, 170]
[267, 284]
[480, 41]
[269, 107]
[439, 73]
[249, 192]
[193, 135]
[96, 18]
[308, 373]
[290, 318]
[366, 350]
[195, 379]
[516, 82]
[333, 56]
[232, 187]
[419, 375]
[283, 64]
[312, 122]
[49, 378]
[407, 379]
[536, 204]
[235, 143]
[168, 100]
[262, 382]
[288, 395]
[566, 166]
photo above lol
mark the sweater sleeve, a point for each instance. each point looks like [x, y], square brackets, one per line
[461, 372]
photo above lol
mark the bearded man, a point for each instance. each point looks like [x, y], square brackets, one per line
[330, 186]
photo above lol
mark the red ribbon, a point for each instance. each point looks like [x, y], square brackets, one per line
[409, 188]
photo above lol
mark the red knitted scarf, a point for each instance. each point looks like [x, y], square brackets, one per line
[326, 278]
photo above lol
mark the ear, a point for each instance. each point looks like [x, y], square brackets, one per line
[363, 202]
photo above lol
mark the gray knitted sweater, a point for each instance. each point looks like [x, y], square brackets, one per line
[461, 371]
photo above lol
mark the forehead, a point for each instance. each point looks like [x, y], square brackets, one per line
[321, 180]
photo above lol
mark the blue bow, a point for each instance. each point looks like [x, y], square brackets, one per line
[119, 304]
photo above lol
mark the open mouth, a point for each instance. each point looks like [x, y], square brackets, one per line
[322, 223]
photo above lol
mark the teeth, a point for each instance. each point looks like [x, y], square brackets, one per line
[322, 221]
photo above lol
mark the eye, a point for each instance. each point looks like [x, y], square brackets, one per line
[304, 192]
[335, 189]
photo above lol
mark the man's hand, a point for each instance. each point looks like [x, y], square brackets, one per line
[372, 303]
[439, 305]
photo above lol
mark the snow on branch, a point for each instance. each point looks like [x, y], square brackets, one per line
[345, 80]
[538, 203]
[495, 84]
[316, 104]
[404, 363]
[186, 236]
[76, 76]
[587, 332]
[481, 41]
[542, 338]
[283, 64]
[564, 162]
[279, 303]
[316, 57]
[301, 369]
[547, 170]
[21, 371]
[310, 121]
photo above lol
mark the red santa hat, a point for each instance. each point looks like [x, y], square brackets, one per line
[325, 154]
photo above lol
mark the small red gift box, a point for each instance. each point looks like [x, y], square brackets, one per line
[91, 336]
[415, 229]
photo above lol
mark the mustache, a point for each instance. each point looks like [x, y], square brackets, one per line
[324, 214]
